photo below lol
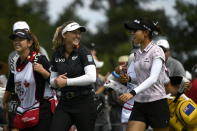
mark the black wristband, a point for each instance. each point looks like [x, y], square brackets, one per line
[129, 79]
[133, 92]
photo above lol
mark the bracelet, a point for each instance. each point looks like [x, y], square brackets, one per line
[115, 74]
[129, 79]
[133, 92]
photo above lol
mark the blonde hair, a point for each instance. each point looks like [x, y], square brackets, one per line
[57, 37]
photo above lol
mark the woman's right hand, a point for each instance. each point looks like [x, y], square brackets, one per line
[123, 78]
[125, 97]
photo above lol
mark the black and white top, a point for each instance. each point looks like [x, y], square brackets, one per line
[30, 86]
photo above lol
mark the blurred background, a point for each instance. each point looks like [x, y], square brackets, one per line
[104, 20]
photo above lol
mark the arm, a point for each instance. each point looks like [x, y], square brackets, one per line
[6, 97]
[53, 76]
[9, 88]
[42, 67]
[88, 78]
[152, 79]
[155, 71]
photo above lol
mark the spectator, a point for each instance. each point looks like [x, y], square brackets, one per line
[192, 93]
[175, 68]
[103, 120]
[3, 73]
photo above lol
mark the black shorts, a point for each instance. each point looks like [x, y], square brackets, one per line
[155, 114]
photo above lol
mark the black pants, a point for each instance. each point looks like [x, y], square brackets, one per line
[80, 111]
[44, 118]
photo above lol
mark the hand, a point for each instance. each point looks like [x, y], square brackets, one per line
[187, 86]
[123, 78]
[38, 67]
[5, 128]
[118, 69]
[61, 80]
[15, 129]
[125, 97]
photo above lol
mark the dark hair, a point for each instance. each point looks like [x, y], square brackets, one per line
[92, 46]
[35, 45]
[164, 49]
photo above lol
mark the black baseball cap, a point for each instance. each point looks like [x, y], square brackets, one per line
[176, 80]
[141, 24]
[20, 33]
[92, 46]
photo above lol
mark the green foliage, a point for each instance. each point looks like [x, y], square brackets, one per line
[112, 39]
[184, 38]
[34, 13]
[112, 34]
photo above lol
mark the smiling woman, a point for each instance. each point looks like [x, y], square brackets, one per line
[29, 81]
[73, 72]
[149, 67]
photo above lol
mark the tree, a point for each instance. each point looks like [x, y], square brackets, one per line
[69, 14]
[185, 33]
[34, 13]
[112, 35]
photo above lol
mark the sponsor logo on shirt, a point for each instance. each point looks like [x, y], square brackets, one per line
[26, 119]
[74, 57]
[19, 89]
[26, 84]
[146, 60]
[90, 59]
[59, 59]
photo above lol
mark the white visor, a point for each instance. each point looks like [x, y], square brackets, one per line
[73, 26]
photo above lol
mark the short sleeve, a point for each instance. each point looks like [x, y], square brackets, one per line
[86, 57]
[158, 53]
[10, 84]
[44, 61]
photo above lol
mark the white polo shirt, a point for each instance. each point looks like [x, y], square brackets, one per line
[142, 64]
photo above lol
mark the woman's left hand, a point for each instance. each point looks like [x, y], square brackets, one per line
[61, 81]
[38, 67]
[125, 97]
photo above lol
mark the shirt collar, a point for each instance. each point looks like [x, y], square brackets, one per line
[61, 51]
[148, 47]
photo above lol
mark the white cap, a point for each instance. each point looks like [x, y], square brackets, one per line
[123, 58]
[20, 25]
[73, 26]
[188, 75]
[163, 43]
[98, 64]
